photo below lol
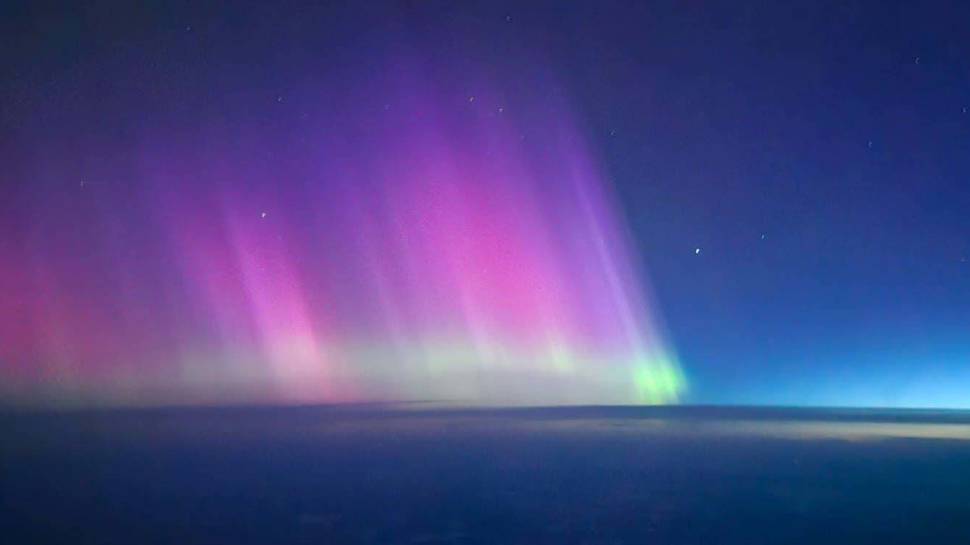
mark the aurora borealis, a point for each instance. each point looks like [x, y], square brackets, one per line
[415, 232]
[483, 202]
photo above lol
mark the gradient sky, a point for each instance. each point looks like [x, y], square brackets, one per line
[581, 201]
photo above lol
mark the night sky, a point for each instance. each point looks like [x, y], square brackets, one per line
[485, 202]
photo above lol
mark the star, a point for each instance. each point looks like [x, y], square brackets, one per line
[471, 98]
[763, 236]
[279, 98]
[262, 215]
[869, 144]
[916, 60]
[697, 251]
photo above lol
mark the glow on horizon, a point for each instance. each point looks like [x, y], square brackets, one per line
[423, 252]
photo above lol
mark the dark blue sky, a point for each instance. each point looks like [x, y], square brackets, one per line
[816, 153]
